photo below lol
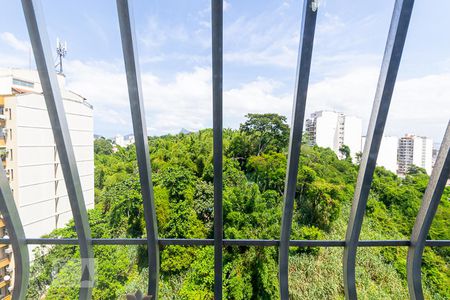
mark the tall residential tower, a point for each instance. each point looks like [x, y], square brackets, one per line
[414, 150]
[332, 130]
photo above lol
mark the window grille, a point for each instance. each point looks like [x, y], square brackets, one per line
[388, 73]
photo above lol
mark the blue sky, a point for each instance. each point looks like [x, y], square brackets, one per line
[260, 51]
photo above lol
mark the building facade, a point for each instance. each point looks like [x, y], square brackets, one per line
[29, 154]
[123, 141]
[387, 155]
[414, 150]
[332, 130]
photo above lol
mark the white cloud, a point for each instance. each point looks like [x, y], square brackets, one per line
[269, 38]
[419, 105]
[226, 5]
[183, 102]
[96, 28]
[14, 61]
[331, 24]
[259, 96]
[156, 33]
[12, 41]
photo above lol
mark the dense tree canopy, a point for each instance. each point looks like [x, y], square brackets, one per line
[254, 175]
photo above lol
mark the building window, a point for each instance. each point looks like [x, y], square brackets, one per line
[10, 134]
[11, 157]
[23, 83]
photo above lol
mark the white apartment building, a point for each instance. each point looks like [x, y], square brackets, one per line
[415, 150]
[30, 156]
[124, 141]
[332, 130]
[387, 155]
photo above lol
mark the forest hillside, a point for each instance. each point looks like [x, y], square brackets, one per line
[254, 175]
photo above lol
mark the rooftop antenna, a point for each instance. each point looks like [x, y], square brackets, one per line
[61, 51]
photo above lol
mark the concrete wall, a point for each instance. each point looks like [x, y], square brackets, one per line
[352, 134]
[39, 187]
[387, 156]
[326, 127]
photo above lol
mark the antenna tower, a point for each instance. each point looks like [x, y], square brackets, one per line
[61, 52]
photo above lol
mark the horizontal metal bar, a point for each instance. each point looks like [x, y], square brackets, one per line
[227, 242]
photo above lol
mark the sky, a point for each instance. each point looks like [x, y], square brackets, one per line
[260, 55]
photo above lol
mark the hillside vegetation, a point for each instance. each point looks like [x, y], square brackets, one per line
[254, 174]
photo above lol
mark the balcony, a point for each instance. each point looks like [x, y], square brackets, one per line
[3, 284]
[4, 262]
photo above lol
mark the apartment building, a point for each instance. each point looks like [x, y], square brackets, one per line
[29, 154]
[123, 141]
[387, 155]
[332, 130]
[414, 150]
[6, 266]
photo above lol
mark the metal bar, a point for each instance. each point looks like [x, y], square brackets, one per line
[308, 26]
[17, 239]
[42, 52]
[228, 242]
[437, 243]
[388, 74]
[430, 202]
[217, 81]
[130, 53]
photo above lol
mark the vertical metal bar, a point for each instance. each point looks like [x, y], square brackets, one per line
[308, 26]
[44, 61]
[430, 202]
[130, 53]
[217, 81]
[16, 233]
[386, 82]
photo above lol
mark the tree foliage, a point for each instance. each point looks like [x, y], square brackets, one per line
[253, 185]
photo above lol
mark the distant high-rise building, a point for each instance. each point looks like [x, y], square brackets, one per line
[435, 153]
[415, 150]
[332, 130]
[387, 155]
[124, 141]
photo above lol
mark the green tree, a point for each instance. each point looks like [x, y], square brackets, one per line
[103, 146]
[254, 170]
[344, 150]
[267, 132]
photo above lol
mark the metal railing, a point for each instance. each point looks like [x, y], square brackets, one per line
[391, 61]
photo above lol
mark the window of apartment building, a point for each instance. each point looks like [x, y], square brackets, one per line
[9, 174]
[11, 157]
[23, 83]
[10, 134]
